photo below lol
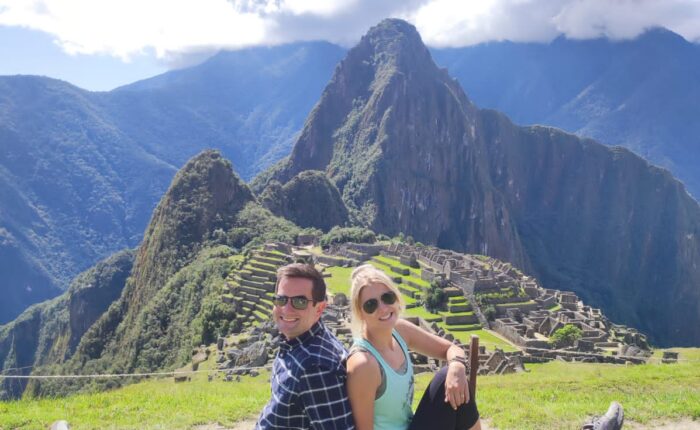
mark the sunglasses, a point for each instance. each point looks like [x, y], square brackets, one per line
[371, 305]
[298, 302]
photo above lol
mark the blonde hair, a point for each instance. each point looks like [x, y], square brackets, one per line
[361, 277]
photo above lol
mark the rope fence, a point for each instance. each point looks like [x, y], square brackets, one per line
[128, 375]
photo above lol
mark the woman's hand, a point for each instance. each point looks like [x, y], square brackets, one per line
[456, 386]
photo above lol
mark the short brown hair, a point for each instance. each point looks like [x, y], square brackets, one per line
[305, 271]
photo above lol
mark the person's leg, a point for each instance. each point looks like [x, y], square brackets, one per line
[434, 413]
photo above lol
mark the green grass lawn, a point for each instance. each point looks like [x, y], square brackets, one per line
[339, 282]
[491, 341]
[553, 395]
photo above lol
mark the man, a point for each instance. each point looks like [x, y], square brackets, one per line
[308, 375]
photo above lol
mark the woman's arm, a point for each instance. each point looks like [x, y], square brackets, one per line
[363, 380]
[423, 342]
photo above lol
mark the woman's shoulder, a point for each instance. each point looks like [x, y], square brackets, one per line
[361, 362]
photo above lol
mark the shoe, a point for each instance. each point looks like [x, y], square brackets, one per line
[612, 420]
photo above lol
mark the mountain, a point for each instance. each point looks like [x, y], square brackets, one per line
[81, 172]
[641, 94]
[48, 333]
[410, 153]
[72, 188]
[309, 199]
[249, 104]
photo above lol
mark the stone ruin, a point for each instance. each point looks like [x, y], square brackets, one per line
[521, 311]
[246, 353]
[525, 313]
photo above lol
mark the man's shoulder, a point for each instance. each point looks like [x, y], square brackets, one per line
[323, 351]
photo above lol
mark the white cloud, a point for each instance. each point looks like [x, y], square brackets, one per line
[125, 28]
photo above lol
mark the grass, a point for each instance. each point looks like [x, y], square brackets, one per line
[153, 404]
[552, 395]
[339, 282]
[562, 395]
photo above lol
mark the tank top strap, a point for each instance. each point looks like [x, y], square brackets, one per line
[402, 343]
[365, 344]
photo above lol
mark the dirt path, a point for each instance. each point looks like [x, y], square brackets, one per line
[684, 424]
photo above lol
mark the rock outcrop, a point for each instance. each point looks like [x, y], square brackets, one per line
[309, 199]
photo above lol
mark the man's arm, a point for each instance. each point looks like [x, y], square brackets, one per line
[325, 398]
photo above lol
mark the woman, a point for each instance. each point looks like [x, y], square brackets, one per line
[380, 373]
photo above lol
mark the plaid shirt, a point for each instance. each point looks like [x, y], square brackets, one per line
[308, 384]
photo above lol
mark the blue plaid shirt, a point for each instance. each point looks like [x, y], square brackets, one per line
[308, 384]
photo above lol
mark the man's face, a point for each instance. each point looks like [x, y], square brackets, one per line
[292, 322]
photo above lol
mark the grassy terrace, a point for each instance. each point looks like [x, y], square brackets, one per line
[461, 332]
[339, 282]
[422, 313]
[553, 395]
[414, 272]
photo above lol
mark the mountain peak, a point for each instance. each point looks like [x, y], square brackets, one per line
[205, 195]
[395, 42]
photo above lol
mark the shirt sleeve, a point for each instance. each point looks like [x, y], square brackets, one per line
[325, 398]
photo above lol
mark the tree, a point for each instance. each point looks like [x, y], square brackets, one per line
[490, 312]
[435, 298]
[565, 336]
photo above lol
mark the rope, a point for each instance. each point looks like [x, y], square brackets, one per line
[125, 375]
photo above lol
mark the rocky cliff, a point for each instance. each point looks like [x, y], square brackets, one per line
[410, 153]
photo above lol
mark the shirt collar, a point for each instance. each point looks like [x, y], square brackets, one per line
[315, 330]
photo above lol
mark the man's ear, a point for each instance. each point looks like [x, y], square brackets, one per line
[321, 306]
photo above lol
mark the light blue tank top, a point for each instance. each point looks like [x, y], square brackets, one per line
[393, 409]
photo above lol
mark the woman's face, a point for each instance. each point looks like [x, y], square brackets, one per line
[384, 315]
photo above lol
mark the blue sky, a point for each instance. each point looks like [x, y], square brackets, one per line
[32, 52]
[101, 44]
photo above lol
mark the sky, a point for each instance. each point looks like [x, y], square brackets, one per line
[102, 44]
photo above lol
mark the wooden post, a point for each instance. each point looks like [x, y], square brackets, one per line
[473, 364]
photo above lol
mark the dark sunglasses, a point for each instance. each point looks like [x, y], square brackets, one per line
[371, 305]
[298, 302]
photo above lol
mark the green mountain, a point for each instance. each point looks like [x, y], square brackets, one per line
[73, 188]
[410, 153]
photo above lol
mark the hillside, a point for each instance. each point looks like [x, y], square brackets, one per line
[641, 94]
[410, 153]
[73, 189]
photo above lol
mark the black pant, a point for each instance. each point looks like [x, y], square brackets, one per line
[435, 413]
